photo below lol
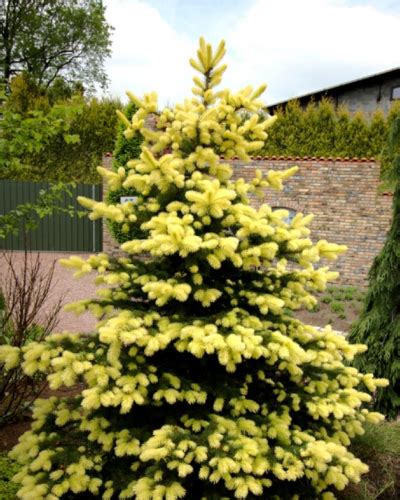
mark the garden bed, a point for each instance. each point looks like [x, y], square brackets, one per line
[338, 306]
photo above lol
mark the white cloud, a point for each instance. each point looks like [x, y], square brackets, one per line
[296, 47]
[299, 47]
[147, 53]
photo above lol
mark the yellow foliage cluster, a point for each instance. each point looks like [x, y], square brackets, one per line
[258, 443]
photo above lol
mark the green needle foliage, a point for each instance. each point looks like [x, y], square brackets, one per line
[379, 323]
[125, 150]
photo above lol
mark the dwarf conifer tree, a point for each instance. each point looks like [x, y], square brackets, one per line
[198, 382]
[379, 323]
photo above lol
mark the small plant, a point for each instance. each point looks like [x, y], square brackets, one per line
[350, 293]
[379, 448]
[8, 468]
[326, 299]
[24, 291]
[316, 308]
[337, 307]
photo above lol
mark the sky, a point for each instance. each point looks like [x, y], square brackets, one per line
[295, 46]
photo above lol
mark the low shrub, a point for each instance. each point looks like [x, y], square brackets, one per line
[8, 468]
[337, 307]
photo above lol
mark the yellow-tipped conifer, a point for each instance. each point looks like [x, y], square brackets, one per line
[197, 382]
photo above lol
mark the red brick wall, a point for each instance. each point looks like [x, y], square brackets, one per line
[342, 195]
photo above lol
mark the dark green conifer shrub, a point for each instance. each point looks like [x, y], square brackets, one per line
[379, 323]
[321, 130]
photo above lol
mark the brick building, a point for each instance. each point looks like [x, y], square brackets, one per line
[367, 94]
[343, 196]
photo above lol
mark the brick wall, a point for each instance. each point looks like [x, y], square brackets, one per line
[342, 195]
[109, 244]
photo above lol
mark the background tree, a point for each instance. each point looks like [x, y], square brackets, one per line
[54, 134]
[197, 381]
[25, 94]
[379, 323]
[54, 38]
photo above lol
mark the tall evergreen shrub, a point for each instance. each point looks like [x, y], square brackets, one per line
[379, 323]
[198, 383]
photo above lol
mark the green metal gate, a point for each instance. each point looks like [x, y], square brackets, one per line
[57, 232]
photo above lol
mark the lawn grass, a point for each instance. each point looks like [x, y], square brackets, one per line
[379, 448]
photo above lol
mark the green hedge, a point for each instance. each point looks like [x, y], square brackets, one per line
[125, 150]
[55, 134]
[323, 131]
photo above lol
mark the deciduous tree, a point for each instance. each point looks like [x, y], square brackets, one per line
[53, 38]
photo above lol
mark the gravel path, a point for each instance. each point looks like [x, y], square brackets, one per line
[75, 289]
[64, 284]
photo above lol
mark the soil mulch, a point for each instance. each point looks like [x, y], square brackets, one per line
[325, 316]
[10, 433]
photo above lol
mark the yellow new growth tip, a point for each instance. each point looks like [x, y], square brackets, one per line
[134, 99]
[123, 118]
